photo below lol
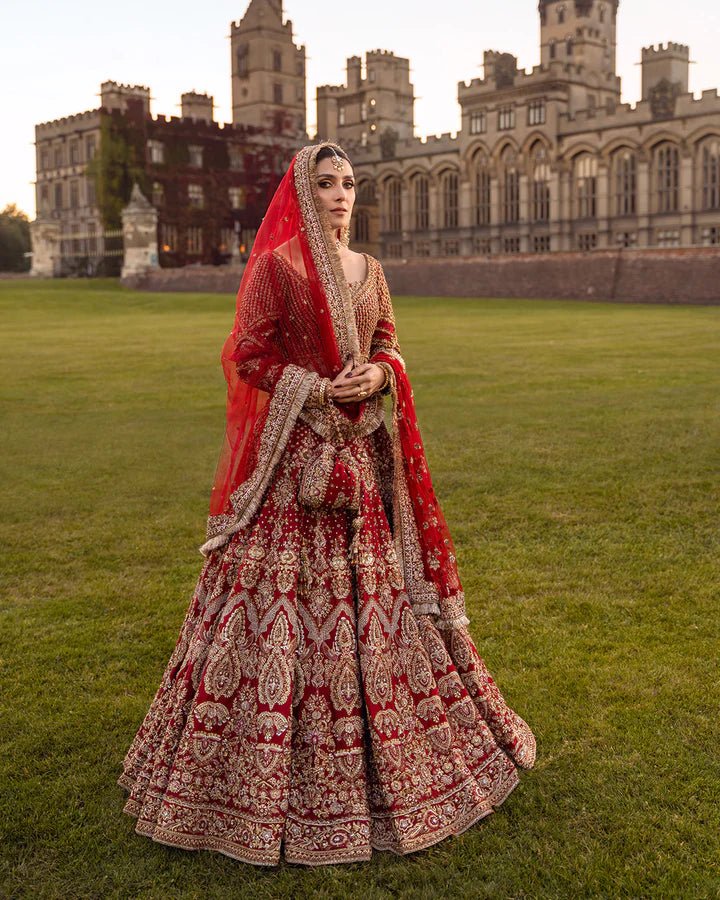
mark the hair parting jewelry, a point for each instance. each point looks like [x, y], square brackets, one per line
[337, 160]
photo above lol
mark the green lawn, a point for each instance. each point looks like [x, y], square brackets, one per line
[575, 450]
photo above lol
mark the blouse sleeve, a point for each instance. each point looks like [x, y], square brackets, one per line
[256, 354]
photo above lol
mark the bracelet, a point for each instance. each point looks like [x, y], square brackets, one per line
[386, 370]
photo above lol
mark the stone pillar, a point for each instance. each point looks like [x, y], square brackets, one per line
[524, 213]
[565, 233]
[643, 202]
[139, 227]
[603, 205]
[554, 186]
[685, 199]
[45, 240]
[496, 226]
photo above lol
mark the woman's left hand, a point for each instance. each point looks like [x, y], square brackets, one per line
[367, 377]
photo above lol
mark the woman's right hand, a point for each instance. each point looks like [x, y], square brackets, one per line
[339, 379]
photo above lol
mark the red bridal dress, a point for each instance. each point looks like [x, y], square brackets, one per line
[324, 697]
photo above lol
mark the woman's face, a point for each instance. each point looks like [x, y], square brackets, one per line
[336, 191]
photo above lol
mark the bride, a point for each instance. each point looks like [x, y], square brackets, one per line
[324, 697]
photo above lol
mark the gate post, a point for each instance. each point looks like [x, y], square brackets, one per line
[45, 241]
[139, 220]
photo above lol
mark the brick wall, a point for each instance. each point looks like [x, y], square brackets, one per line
[683, 275]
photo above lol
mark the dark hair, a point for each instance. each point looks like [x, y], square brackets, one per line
[329, 152]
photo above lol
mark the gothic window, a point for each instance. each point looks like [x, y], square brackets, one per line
[58, 157]
[509, 186]
[366, 192]
[74, 153]
[236, 158]
[74, 195]
[553, 49]
[394, 205]
[625, 178]
[90, 147]
[481, 190]
[156, 149]
[569, 46]
[362, 226]
[59, 195]
[363, 112]
[450, 199]
[540, 186]
[561, 15]
[421, 194]
[44, 197]
[478, 122]
[195, 153]
[585, 174]
[168, 238]
[236, 195]
[196, 196]
[158, 194]
[601, 11]
[341, 115]
[242, 60]
[194, 240]
[277, 93]
[667, 177]
[536, 112]
[587, 240]
[277, 61]
[711, 175]
[506, 118]
[90, 192]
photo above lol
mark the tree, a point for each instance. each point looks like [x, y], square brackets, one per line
[14, 240]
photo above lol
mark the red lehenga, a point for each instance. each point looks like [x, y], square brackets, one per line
[324, 697]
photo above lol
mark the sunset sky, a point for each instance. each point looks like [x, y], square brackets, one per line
[55, 55]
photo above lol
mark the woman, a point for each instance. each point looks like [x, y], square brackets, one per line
[324, 697]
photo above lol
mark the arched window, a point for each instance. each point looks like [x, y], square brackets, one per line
[553, 49]
[362, 226]
[540, 185]
[625, 182]
[561, 15]
[509, 186]
[393, 209]
[585, 172]
[481, 189]
[711, 175]
[667, 177]
[569, 46]
[449, 185]
[421, 202]
[366, 193]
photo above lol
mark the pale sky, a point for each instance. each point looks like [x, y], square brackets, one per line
[55, 54]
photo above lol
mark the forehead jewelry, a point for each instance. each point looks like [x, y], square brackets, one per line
[337, 161]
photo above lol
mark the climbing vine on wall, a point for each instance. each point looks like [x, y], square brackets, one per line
[118, 163]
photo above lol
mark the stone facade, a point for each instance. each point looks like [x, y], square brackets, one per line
[548, 159]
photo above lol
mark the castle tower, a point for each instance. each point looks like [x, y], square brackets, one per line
[663, 63]
[580, 32]
[268, 71]
[376, 107]
[196, 106]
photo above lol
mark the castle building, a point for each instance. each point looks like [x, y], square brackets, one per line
[545, 160]
[210, 183]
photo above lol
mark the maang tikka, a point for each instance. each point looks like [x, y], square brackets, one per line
[337, 161]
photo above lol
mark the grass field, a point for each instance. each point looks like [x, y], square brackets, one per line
[575, 451]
